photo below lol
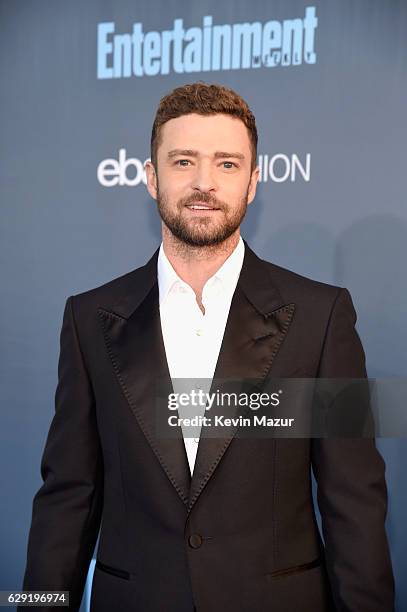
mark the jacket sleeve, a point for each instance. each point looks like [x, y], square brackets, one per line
[351, 492]
[67, 508]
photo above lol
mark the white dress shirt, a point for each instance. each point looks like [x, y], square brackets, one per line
[192, 339]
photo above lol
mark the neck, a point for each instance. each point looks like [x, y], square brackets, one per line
[195, 265]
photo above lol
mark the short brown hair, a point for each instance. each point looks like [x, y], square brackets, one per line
[203, 99]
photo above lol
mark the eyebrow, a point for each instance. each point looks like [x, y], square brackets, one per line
[192, 153]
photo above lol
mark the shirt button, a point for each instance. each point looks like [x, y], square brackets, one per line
[196, 440]
[195, 540]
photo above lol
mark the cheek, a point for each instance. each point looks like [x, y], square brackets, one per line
[174, 184]
[165, 189]
[235, 189]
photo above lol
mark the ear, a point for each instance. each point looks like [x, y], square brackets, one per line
[151, 177]
[253, 185]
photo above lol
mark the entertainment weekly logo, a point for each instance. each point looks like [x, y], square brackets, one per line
[277, 168]
[205, 47]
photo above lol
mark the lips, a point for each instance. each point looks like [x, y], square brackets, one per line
[201, 207]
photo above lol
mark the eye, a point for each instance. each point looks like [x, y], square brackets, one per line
[180, 162]
[229, 164]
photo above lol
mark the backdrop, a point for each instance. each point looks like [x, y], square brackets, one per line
[80, 82]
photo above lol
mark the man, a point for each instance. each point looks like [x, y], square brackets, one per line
[227, 524]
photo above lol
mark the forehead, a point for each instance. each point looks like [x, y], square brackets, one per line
[205, 133]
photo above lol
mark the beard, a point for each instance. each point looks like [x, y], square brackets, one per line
[201, 230]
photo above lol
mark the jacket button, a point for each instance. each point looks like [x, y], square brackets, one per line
[195, 540]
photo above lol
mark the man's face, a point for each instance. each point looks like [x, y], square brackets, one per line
[203, 182]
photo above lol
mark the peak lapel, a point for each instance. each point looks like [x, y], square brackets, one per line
[133, 338]
[257, 324]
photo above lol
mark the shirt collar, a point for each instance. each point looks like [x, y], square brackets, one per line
[228, 273]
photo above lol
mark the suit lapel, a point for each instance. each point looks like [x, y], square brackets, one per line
[132, 331]
[257, 324]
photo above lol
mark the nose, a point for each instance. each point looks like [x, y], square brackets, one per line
[204, 178]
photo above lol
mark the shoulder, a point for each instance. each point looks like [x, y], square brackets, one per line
[292, 286]
[127, 288]
[277, 286]
[112, 288]
[319, 300]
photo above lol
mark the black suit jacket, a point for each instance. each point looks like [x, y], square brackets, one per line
[241, 535]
